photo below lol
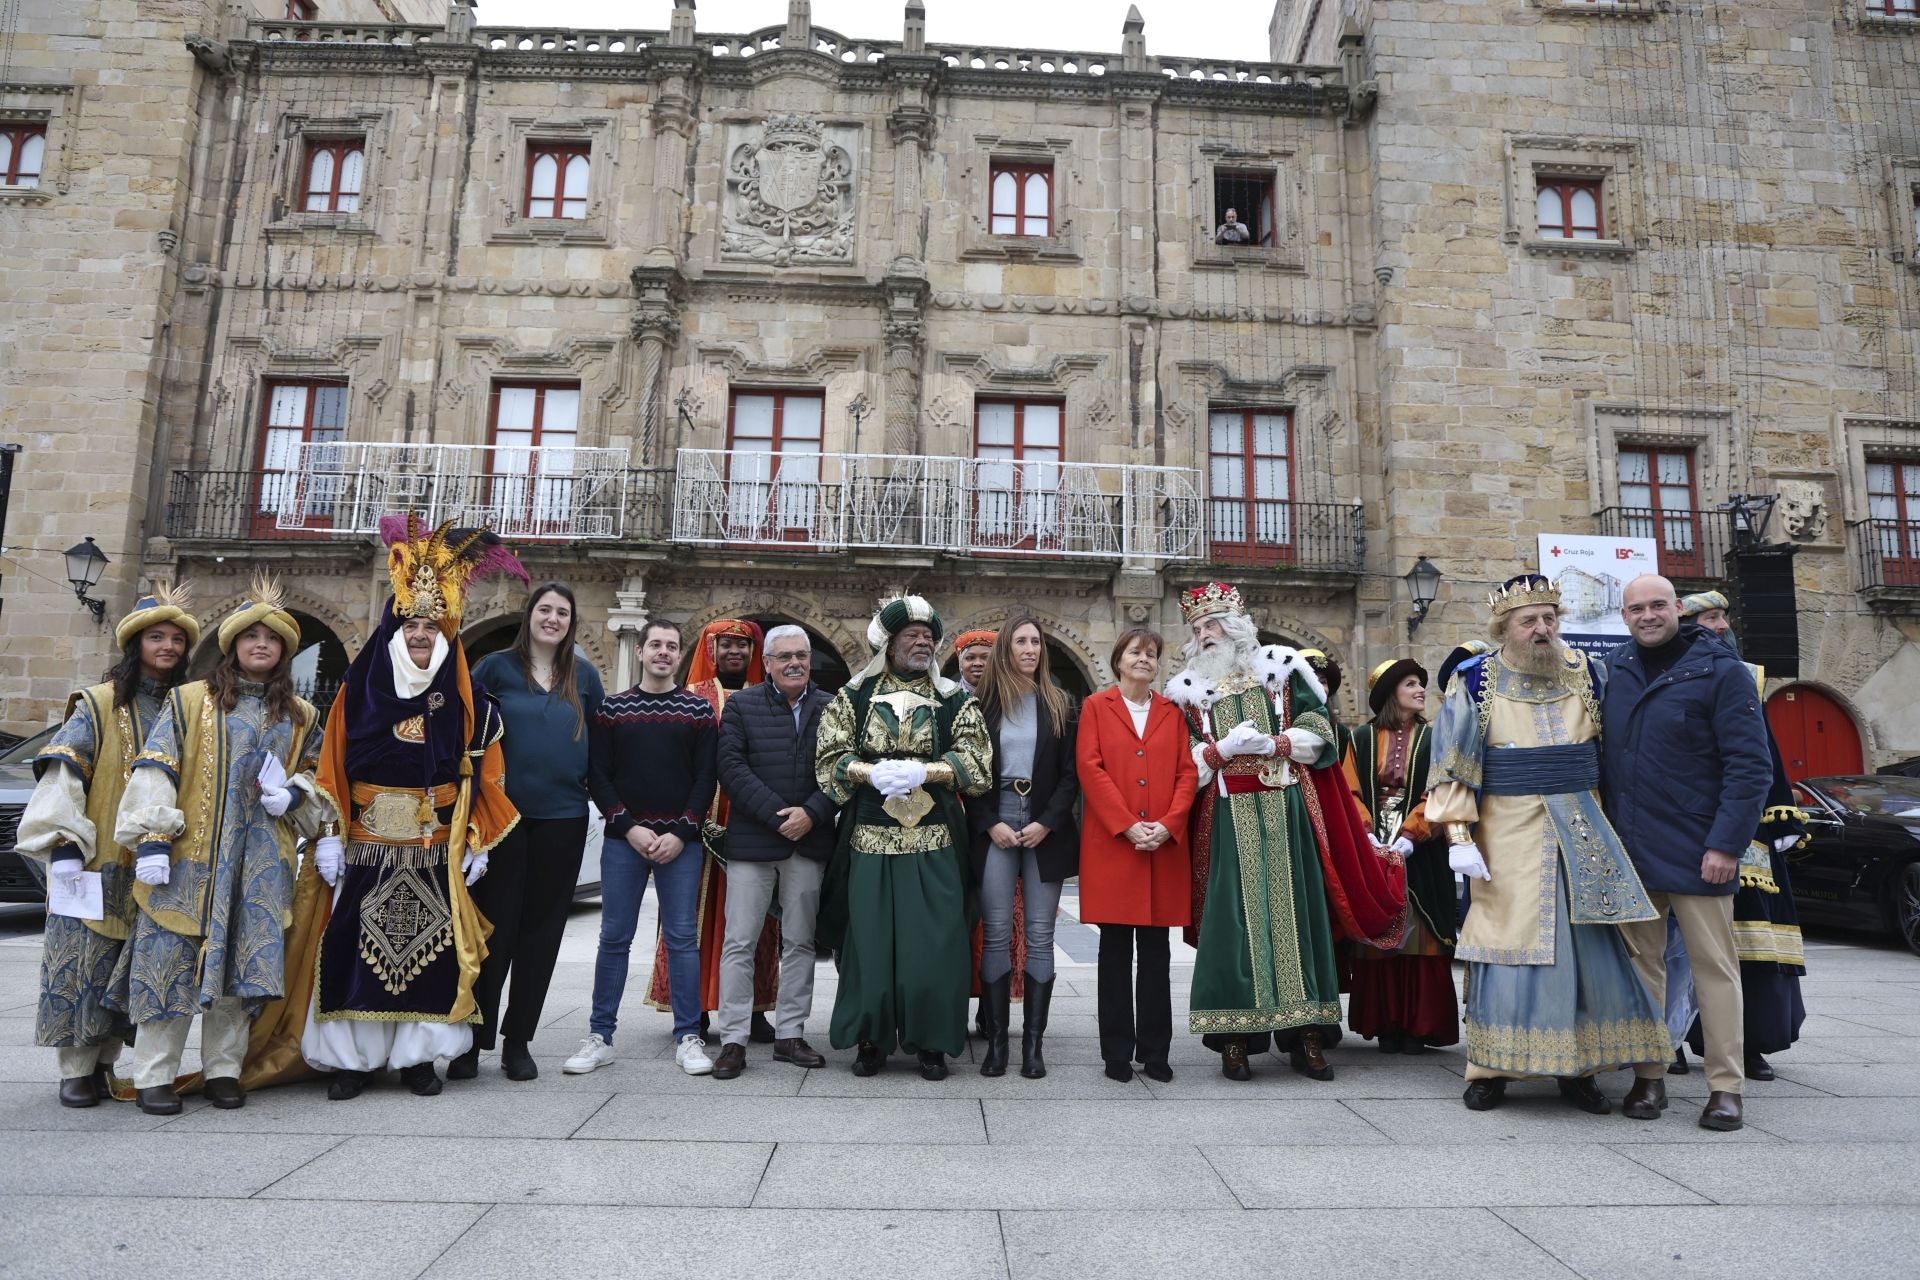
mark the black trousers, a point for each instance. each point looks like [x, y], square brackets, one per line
[526, 894]
[1135, 1022]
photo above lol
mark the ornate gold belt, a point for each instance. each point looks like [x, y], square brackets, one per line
[394, 815]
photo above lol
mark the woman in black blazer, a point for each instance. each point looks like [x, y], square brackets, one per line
[1023, 830]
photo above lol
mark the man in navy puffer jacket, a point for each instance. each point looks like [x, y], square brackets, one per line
[1684, 778]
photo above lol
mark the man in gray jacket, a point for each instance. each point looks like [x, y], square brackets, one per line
[1684, 778]
[779, 838]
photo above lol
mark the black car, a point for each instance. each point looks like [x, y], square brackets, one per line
[1861, 865]
[17, 884]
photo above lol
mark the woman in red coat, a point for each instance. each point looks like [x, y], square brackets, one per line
[1138, 778]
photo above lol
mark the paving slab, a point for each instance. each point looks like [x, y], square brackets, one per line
[901, 1079]
[805, 1175]
[1414, 1078]
[1451, 1175]
[1833, 1173]
[1862, 1080]
[1534, 1112]
[1069, 1123]
[387, 1107]
[722, 1115]
[531, 1170]
[514, 1242]
[224, 1239]
[1716, 1242]
[1830, 1120]
[197, 1165]
[1430, 1244]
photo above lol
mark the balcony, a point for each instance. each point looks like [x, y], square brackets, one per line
[1270, 533]
[1692, 545]
[342, 490]
[794, 501]
[1887, 553]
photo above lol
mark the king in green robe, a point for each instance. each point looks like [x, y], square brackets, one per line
[898, 746]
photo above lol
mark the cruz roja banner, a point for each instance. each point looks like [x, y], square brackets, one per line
[1592, 574]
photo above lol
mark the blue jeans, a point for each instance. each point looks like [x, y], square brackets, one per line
[623, 880]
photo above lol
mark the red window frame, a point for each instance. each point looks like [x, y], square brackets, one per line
[1894, 8]
[18, 133]
[773, 514]
[563, 153]
[1898, 547]
[339, 148]
[531, 494]
[267, 490]
[1265, 541]
[302, 10]
[1660, 522]
[990, 525]
[1022, 215]
[1566, 188]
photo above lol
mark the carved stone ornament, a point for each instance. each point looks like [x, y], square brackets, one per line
[790, 195]
[1803, 510]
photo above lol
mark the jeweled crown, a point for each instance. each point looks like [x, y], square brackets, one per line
[1519, 592]
[1205, 602]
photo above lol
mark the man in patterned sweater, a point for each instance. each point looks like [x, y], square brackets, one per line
[651, 769]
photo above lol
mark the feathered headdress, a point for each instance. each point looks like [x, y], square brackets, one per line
[166, 603]
[264, 604]
[432, 570]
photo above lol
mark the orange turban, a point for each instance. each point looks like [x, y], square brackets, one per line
[979, 635]
[703, 666]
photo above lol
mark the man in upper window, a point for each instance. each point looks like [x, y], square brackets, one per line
[1233, 231]
[1685, 776]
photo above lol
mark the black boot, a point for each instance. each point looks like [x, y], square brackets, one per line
[345, 1085]
[516, 1061]
[421, 1079]
[1039, 997]
[466, 1066]
[996, 1011]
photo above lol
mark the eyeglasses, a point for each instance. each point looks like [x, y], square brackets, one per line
[795, 655]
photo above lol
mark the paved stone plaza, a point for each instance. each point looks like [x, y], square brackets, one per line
[638, 1170]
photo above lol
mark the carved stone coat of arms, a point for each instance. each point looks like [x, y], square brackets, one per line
[790, 194]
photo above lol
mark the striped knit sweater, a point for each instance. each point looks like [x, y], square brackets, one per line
[651, 761]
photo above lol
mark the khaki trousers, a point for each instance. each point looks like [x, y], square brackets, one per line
[1706, 923]
[81, 1061]
[157, 1046]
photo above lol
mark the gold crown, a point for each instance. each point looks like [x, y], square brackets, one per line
[1518, 593]
[1205, 602]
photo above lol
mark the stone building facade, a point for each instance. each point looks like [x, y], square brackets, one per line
[774, 324]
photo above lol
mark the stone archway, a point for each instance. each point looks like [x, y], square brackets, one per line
[319, 665]
[831, 634]
[1076, 667]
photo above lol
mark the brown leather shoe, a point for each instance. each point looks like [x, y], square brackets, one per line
[798, 1052]
[1722, 1112]
[1645, 1101]
[80, 1091]
[1308, 1059]
[731, 1062]
[1233, 1061]
[160, 1100]
[224, 1093]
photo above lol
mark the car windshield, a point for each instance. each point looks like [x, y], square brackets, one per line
[27, 748]
[1899, 797]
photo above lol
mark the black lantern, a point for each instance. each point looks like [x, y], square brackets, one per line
[85, 564]
[1423, 584]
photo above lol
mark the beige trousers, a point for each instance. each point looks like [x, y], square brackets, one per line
[75, 1063]
[223, 1045]
[1706, 923]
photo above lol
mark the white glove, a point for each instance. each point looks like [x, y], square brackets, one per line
[1466, 859]
[909, 774]
[277, 801]
[153, 868]
[1402, 846]
[329, 857]
[1234, 742]
[274, 795]
[1785, 843]
[882, 777]
[475, 865]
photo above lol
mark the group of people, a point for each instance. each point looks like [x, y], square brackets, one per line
[920, 830]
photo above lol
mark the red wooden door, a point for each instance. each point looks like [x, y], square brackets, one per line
[1817, 737]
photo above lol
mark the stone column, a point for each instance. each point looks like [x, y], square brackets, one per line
[659, 293]
[905, 327]
[624, 620]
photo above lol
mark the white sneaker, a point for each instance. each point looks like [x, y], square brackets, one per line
[692, 1056]
[593, 1052]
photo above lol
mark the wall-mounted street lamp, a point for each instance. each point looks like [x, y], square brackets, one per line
[858, 409]
[85, 564]
[1423, 584]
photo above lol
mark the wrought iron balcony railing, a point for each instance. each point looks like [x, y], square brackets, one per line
[1274, 533]
[962, 506]
[1693, 545]
[1887, 553]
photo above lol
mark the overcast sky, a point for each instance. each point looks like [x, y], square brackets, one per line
[1232, 30]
